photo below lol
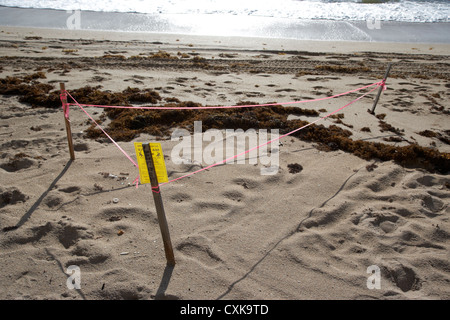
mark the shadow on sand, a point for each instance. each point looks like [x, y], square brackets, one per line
[33, 208]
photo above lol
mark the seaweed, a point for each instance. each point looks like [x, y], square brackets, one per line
[428, 133]
[114, 56]
[44, 95]
[295, 168]
[387, 127]
[127, 124]
[33, 38]
[393, 139]
[334, 138]
[29, 90]
[342, 69]
[432, 134]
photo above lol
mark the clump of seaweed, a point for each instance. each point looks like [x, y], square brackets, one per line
[33, 38]
[114, 56]
[29, 89]
[295, 168]
[93, 95]
[387, 127]
[44, 95]
[428, 133]
[182, 54]
[433, 134]
[412, 155]
[393, 139]
[158, 55]
[342, 69]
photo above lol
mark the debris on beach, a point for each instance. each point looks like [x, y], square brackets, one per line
[295, 168]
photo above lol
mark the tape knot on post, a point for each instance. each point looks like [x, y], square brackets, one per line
[156, 189]
[382, 86]
[65, 105]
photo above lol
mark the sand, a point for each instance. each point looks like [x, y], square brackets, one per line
[236, 234]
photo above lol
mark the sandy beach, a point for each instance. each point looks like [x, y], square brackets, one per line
[355, 190]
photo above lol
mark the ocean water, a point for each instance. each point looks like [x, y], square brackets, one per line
[342, 10]
[425, 21]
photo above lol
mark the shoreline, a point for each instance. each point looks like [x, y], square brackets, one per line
[240, 26]
[222, 42]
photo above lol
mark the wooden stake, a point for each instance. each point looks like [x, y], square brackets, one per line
[68, 129]
[159, 205]
[380, 90]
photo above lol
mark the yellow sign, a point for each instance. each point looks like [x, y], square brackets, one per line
[158, 161]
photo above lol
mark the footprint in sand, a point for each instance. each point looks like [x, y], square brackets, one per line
[115, 284]
[65, 233]
[203, 206]
[247, 183]
[17, 164]
[181, 197]
[53, 200]
[11, 196]
[89, 251]
[234, 195]
[201, 250]
[402, 276]
[119, 213]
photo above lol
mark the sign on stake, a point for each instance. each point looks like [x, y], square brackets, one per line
[158, 161]
[154, 166]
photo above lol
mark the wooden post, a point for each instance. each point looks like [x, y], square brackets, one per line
[68, 129]
[380, 90]
[159, 205]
